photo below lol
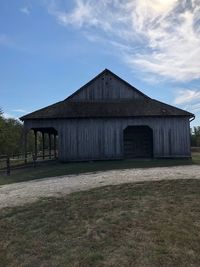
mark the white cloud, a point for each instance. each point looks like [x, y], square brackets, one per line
[187, 96]
[12, 114]
[163, 37]
[19, 110]
[8, 116]
[188, 99]
[25, 10]
[194, 108]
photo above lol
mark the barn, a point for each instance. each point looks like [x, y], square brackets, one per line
[108, 118]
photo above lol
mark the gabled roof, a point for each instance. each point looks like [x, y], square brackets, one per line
[132, 108]
[141, 107]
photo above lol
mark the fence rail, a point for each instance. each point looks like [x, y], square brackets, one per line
[16, 161]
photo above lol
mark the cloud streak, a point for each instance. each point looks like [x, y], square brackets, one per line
[188, 99]
[159, 37]
[19, 110]
[187, 96]
[25, 10]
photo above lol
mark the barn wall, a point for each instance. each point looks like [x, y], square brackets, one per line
[106, 87]
[82, 139]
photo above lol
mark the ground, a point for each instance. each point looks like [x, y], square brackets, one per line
[119, 217]
[21, 193]
[55, 168]
[142, 224]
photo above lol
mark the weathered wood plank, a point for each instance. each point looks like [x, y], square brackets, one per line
[85, 139]
[106, 87]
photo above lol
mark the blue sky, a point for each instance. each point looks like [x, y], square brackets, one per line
[49, 48]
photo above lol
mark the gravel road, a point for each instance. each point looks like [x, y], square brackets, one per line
[24, 192]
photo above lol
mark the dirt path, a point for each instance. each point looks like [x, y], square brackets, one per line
[20, 193]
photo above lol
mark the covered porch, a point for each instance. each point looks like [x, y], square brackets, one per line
[45, 143]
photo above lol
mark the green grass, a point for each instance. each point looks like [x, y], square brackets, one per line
[142, 224]
[51, 169]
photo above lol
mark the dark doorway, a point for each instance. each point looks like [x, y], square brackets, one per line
[138, 142]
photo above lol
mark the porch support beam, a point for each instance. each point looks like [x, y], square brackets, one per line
[55, 154]
[49, 146]
[43, 148]
[35, 133]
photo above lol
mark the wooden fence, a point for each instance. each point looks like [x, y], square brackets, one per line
[17, 161]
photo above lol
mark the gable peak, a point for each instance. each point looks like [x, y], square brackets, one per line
[106, 86]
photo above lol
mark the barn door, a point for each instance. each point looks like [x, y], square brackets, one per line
[138, 142]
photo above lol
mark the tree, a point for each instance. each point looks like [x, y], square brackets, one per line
[195, 136]
[11, 136]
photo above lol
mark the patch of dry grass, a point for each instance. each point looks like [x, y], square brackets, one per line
[142, 224]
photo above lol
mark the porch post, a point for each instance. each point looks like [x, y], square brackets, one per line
[49, 146]
[35, 133]
[43, 151]
[25, 146]
[55, 154]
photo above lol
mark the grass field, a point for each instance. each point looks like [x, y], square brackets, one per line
[55, 168]
[143, 224]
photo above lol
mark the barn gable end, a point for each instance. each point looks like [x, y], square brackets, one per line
[106, 86]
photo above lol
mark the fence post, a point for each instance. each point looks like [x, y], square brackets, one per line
[8, 166]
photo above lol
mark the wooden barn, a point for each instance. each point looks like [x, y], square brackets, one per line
[108, 118]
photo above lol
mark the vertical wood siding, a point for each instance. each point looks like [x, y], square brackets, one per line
[88, 139]
[106, 87]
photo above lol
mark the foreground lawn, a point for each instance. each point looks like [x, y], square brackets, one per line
[143, 224]
[51, 169]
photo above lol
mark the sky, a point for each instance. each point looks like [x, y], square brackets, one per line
[50, 48]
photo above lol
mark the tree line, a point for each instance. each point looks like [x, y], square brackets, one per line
[195, 136]
[12, 137]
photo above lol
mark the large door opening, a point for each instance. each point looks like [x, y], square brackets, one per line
[138, 142]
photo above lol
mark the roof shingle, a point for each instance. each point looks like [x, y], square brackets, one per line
[131, 108]
[139, 107]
